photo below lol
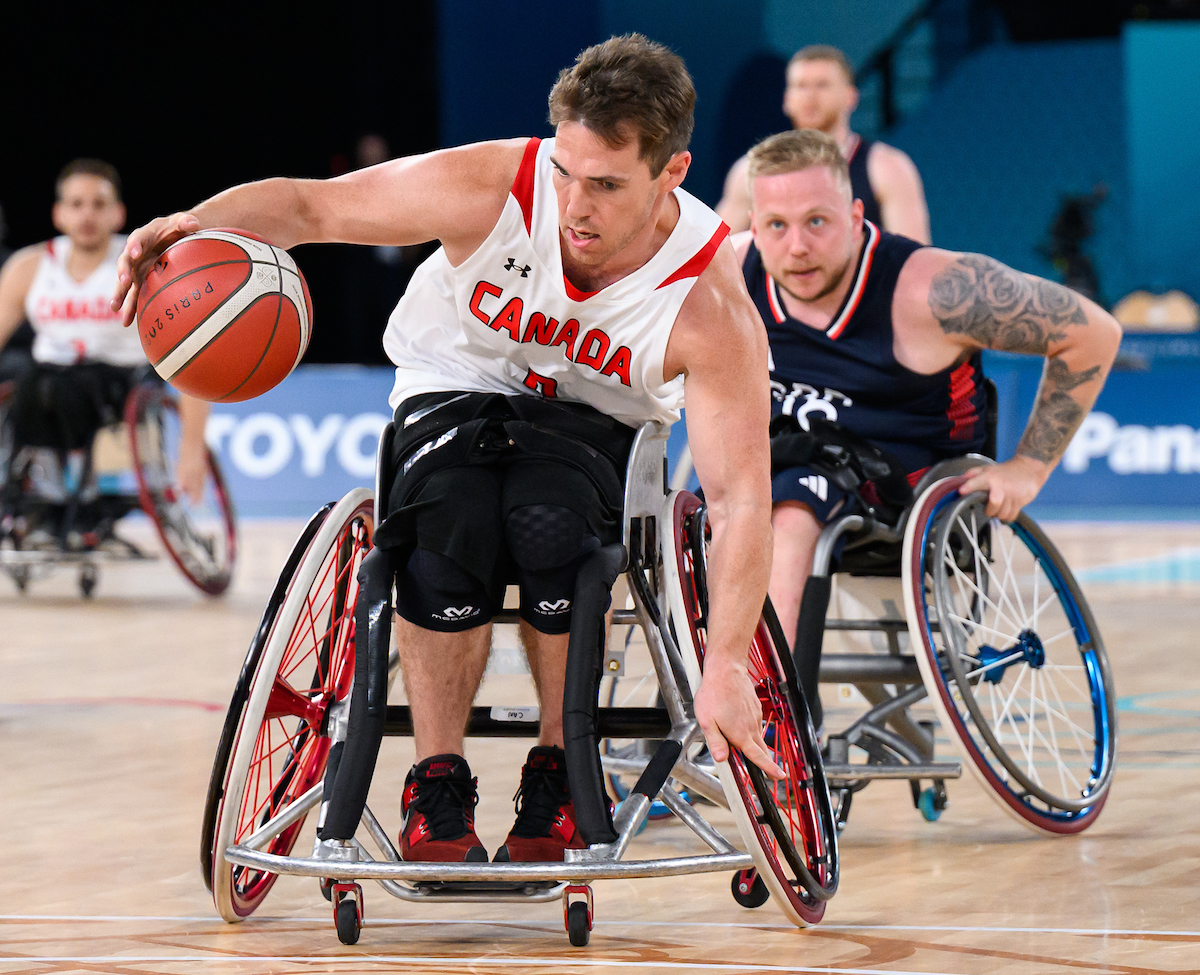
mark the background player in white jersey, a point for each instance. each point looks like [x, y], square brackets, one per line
[576, 282]
[85, 361]
[820, 94]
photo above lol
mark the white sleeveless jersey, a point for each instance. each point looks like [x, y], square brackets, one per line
[506, 320]
[71, 319]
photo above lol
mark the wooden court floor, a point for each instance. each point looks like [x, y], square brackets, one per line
[110, 712]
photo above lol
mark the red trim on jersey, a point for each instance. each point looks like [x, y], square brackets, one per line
[696, 264]
[50, 247]
[860, 283]
[522, 187]
[961, 412]
[914, 476]
[855, 145]
[574, 293]
[773, 299]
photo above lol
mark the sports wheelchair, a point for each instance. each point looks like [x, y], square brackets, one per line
[309, 710]
[60, 507]
[1000, 643]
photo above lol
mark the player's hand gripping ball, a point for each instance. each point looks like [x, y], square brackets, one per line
[224, 316]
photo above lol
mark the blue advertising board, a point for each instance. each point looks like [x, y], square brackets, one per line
[1137, 455]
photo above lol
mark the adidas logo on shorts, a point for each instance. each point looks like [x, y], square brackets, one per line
[556, 608]
[817, 484]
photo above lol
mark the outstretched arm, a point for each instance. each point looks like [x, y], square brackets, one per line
[15, 278]
[452, 195]
[720, 346]
[977, 302]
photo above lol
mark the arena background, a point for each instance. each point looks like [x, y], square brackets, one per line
[1018, 116]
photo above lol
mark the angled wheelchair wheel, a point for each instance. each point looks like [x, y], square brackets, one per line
[1012, 658]
[789, 826]
[200, 538]
[286, 699]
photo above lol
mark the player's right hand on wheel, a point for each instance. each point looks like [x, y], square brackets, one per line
[729, 713]
[144, 246]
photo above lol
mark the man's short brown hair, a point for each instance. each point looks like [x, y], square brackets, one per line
[790, 152]
[88, 167]
[629, 82]
[824, 52]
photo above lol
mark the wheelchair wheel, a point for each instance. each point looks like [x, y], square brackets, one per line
[201, 539]
[1012, 658]
[306, 665]
[789, 826]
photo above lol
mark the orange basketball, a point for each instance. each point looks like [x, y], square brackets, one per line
[224, 315]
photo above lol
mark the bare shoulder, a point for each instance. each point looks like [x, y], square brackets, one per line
[889, 163]
[718, 326]
[741, 244]
[20, 268]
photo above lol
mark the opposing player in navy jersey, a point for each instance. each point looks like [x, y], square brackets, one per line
[884, 335]
[820, 94]
[579, 286]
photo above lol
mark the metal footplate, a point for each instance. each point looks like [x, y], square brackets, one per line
[840, 774]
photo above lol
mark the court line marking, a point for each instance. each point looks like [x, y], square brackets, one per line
[89, 702]
[481, 961]
[398, 922]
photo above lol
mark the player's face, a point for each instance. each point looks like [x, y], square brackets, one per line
[818, 95]
[807, 230]
[606, 197]
[88, 211]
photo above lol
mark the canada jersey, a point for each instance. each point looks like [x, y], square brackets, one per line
[507, 320]
[72, 320]
[849, 373]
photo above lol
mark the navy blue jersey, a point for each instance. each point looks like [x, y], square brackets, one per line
[859, 182]
[848, 371]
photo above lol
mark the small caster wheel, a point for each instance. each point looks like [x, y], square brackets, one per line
[348, 926]
[347, 911]
[748, 888]
[577, 914]
[931, 803]
[87, 581]
[579, 930]
[327, 888]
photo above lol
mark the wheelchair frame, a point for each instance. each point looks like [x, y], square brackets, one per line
[948, 661]
[789, 829]
[154, 497]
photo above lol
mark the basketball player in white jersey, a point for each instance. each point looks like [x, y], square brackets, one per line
[63, 287]
[820, 94]
[575, 280]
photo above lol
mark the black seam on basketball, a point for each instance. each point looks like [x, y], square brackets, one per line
[213, 311]
[196, 355]
[203, 267]
[274, 329]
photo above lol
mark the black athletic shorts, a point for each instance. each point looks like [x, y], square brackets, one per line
[64, 406]
[461, 462]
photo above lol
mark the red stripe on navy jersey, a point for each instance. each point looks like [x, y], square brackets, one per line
[696, 264]
[522, 188]
[859, 285]
[961, 412]
[773, 299]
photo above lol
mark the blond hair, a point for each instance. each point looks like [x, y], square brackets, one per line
[824, 52]
[790, 152]
[629, 85]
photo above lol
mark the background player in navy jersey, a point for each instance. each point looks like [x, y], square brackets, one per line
[85, 363]
[883, 335]
[820, 94]
[611, 253]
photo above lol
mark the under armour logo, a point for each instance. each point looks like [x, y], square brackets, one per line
[513, 266]
[455, 613]
[558, 606]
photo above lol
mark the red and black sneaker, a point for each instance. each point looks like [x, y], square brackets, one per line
[545, 823]
[439, 813]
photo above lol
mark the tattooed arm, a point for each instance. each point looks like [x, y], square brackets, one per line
[974, 302]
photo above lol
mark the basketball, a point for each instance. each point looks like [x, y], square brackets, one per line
[224, 315]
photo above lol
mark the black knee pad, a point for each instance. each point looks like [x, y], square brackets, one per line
[436, 593]
[547, 543]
